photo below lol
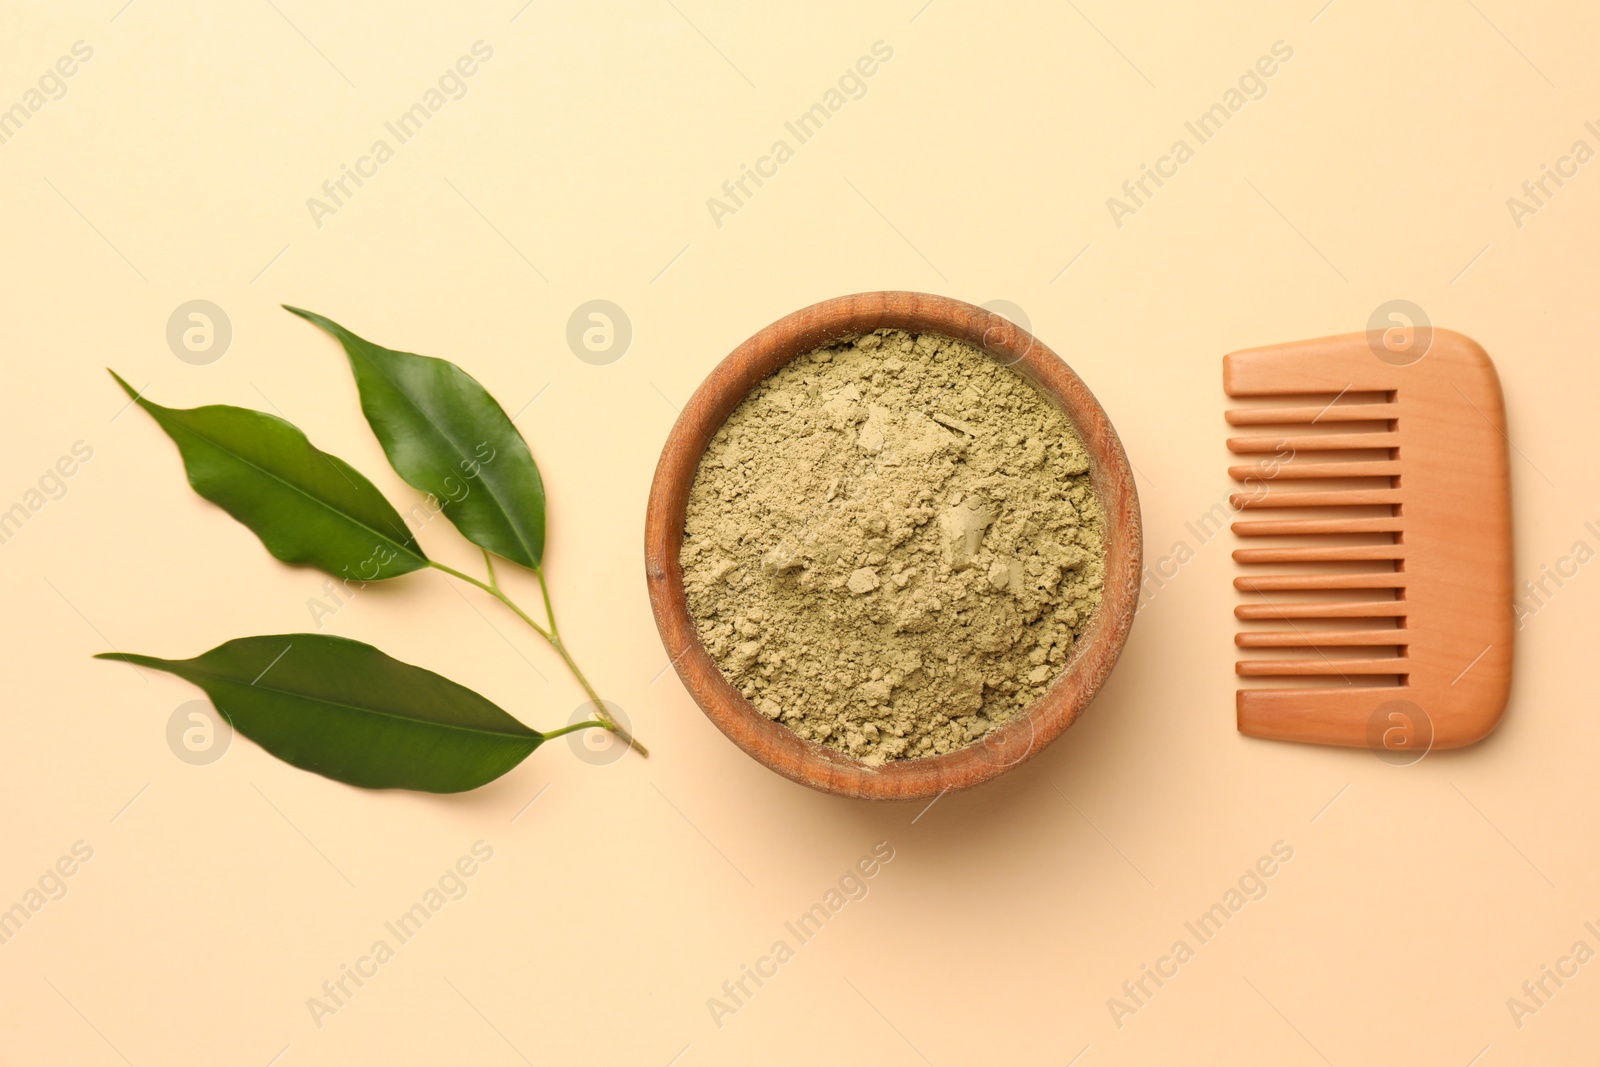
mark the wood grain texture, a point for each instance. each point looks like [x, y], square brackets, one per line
[1097, 649]
[1445, 548]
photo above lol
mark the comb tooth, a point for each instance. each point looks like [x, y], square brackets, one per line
[1283, 668]
[1293, 527]
[1332, 442]
[1308, 415]
[1375, 609]
[1321, 638]
[1335, 716]
[1319, 554]
[1376, 468]
[1284, 583]
[1324, 499]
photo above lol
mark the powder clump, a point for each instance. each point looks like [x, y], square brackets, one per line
[892, 544]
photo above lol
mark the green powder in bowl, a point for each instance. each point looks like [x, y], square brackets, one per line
[892, 544]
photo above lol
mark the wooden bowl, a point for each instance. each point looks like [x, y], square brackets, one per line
[1097, 648]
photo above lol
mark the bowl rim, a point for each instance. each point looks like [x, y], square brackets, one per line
[1094, 654]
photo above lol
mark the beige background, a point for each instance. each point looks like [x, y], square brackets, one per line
[978, 163]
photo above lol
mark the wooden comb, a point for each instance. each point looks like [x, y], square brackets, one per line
[1389, 599]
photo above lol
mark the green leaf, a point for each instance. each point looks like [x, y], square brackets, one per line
[446, 435]
[306, 506]
[344, 710]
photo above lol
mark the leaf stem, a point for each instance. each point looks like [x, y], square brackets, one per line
[575, 726]
[549, 612]
[560, 646]
[552, 638]
[494, 591]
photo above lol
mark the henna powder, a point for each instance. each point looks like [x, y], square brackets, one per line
[892, 544]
